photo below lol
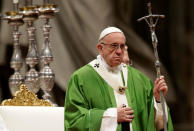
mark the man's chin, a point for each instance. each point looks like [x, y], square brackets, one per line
[116, 63]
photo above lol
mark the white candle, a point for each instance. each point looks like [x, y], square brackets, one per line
[15, 1]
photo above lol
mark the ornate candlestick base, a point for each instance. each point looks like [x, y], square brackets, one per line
[46, 81]
[15, 81]
[32, 80]
[46, 78]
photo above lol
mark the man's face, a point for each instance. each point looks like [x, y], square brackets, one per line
[111, 48]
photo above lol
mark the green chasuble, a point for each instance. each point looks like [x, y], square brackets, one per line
[88, 96]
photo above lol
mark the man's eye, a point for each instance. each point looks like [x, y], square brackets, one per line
[114, 45]
[122, 46]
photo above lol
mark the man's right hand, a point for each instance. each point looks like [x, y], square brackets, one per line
[124, 114]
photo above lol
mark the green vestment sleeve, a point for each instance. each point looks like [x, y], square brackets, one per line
[78, 113]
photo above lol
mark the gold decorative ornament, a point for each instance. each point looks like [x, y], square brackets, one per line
[23, 97]
[122, 89]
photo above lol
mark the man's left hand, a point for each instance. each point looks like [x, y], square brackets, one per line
[160, 85]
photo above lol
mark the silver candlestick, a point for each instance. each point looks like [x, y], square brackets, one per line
[30, 14]
[33, 79]
[47, 76]
[15, 20]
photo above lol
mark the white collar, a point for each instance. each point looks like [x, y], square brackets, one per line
[111, 75]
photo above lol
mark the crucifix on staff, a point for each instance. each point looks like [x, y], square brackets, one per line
[152, 20]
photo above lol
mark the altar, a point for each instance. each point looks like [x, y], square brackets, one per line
[33, 118]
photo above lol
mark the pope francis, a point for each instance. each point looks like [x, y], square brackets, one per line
[108, 95]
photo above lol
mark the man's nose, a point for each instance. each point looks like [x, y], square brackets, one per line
[119, 50]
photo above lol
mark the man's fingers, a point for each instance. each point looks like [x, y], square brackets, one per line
[161, 82]
[128, 109]
[129, 118]
[129, 112]
[124, 114]
[164, 89]
[161, 77]
[158, 79]
[160, 85]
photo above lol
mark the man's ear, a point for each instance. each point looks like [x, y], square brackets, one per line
[99, 47]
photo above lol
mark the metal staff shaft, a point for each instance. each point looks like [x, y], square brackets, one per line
[152, 25]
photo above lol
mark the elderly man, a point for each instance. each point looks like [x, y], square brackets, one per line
[108, 95]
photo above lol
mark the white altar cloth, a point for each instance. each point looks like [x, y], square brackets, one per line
[33, 118]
